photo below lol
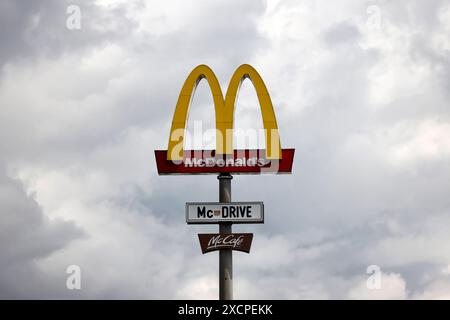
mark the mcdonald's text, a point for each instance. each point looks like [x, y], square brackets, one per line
[208, 162]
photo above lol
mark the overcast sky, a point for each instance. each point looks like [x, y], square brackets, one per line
[360, 89]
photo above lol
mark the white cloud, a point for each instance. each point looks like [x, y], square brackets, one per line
[438, 290]
[393, 287]
[427, 141]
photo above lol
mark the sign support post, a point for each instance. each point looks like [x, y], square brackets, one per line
[225, 255]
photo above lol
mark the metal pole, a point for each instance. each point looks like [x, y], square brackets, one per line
[226, 255]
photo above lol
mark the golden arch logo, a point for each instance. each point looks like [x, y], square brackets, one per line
[224, 111]
[176, 160]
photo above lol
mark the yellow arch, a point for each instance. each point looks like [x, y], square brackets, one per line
[273, 145]
[224, 111]
[182, 108]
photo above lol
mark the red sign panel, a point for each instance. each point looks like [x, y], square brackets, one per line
[217, 241]
[241, 162]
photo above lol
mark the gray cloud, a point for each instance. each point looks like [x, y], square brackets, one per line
[27, 235]
[32, 30]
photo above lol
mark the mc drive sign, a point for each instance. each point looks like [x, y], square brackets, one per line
[216, 212]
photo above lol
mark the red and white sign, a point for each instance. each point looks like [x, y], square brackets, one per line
[241, 162]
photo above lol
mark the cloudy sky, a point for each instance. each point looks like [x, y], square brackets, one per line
[360, 88]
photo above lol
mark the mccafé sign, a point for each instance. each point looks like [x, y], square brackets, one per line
[217, 241]
[176, 160]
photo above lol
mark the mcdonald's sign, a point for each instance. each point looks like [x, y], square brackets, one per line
[176, 160]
